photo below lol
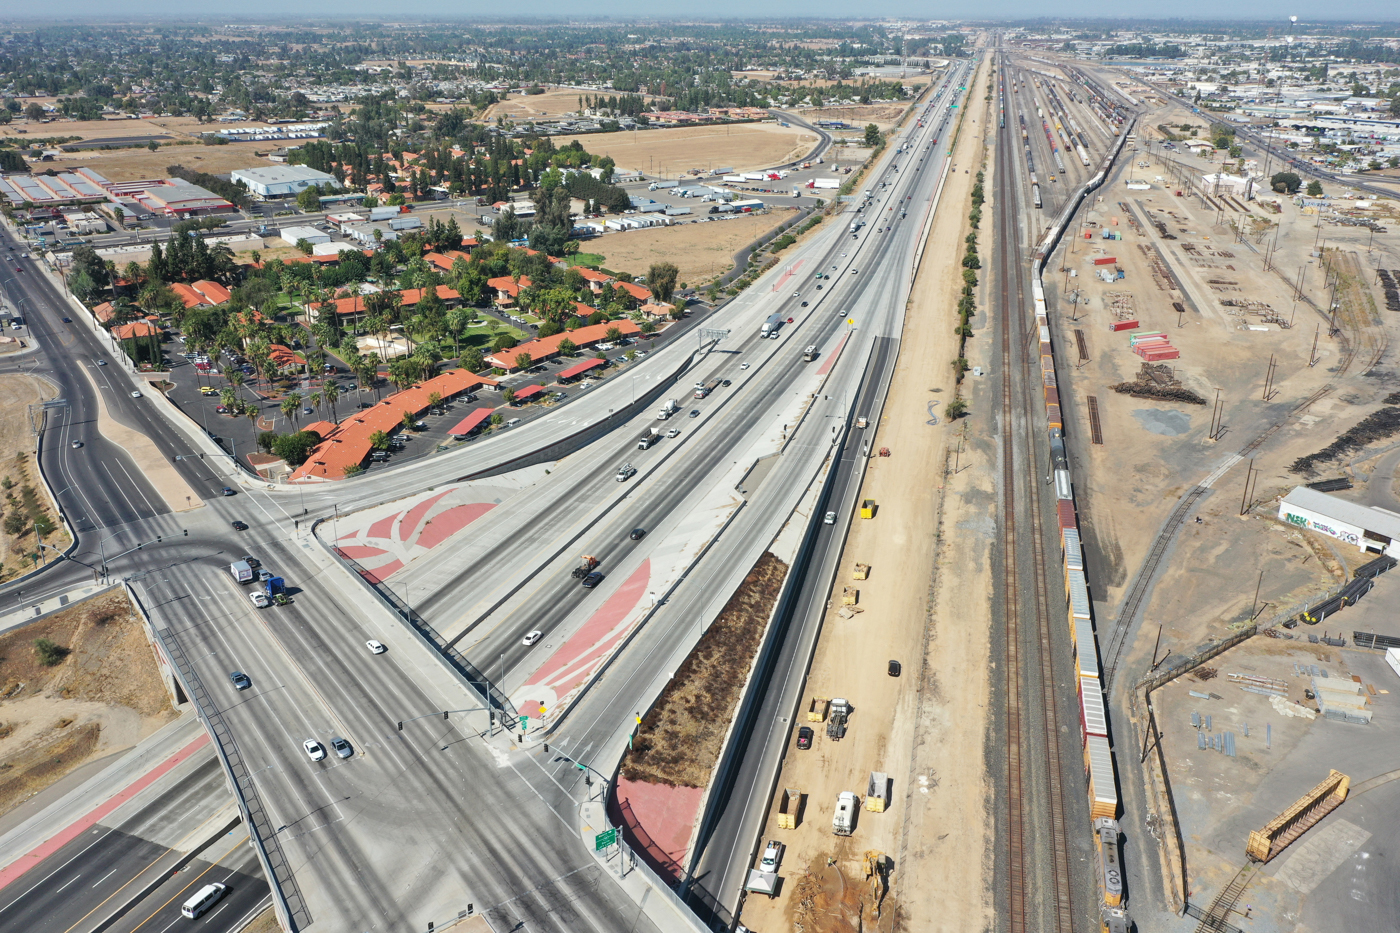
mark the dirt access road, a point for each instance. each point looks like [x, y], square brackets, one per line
[928, 551]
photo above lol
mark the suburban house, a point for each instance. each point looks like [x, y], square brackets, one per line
[202, 293]
[507, 289]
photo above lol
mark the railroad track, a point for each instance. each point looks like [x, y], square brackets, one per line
[1022, 662]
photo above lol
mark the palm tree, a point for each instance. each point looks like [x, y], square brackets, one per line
[289, 407]
[315, 399]
[330, 392]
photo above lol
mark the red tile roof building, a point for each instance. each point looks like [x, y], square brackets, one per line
[546, 348]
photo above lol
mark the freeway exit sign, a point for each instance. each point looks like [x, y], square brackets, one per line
[606, 838]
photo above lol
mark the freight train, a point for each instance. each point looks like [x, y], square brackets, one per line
[1099, 767]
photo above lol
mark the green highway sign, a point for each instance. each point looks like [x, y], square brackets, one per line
[524, 722]
[606, 838]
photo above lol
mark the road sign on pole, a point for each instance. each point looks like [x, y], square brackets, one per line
[606, 838]
[524, 723]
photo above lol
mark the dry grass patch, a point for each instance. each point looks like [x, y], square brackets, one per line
[104, 693]
[741, 146]
[22, 494]
[679, 740]
[700, 251]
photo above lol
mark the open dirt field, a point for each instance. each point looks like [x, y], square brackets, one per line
[23, 493]
[928, 547]
[884, 115]
[105, 694]
[138, 164]
[741, 146]
[521, 107]
[700, 251]
[679, 740]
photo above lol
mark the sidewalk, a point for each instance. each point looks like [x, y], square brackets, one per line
[30, 612]
[56, 825]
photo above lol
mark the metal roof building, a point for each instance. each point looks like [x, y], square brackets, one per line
[278, 181]
[1369, 528]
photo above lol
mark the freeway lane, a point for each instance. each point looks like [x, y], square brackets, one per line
[94, 873]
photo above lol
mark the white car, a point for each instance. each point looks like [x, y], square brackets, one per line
[315, 749]
[135, 394]
[830, 518]
[260, 599]
[743, 365]
[674, 432]
[375, 647]
[531, 638]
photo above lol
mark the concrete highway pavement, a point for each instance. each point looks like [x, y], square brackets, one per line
[416, 825]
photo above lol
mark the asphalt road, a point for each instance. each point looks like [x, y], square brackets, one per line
[96, 874]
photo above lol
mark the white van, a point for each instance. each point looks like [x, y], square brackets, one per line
[203, 899]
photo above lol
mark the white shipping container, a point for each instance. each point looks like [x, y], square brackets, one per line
[1392, 657]
[1095, 719]
[1086, 648]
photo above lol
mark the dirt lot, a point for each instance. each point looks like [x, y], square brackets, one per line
[700, 251]
[555, 103]
[679, 740]
[23, 493]
[927, 547]
[104, 695]
[741, 146]
[138, 164]
[883, 115]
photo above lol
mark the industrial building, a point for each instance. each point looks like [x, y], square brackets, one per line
[1367, 527]
[280, 181]
[310, 234]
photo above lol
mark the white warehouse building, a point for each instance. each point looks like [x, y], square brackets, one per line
[1367, 527]
[280, 181]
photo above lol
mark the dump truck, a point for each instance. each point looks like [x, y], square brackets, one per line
[861, 572]
[586, 563]
[867, 508]
[649, 436]
[877, 794]
[816, 710]
[788, 808]
[836, 724]
[843, 821]
[242, 571]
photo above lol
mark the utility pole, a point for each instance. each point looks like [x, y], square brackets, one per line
[1312, 357]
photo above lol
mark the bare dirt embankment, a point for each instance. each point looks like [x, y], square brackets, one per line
[100, 692]
[679, 740]
[23, 499]
[700, 251]
[743, 147]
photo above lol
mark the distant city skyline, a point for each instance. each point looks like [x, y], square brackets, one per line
[251, 11]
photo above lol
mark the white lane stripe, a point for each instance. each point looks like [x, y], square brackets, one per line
[105, 877]
[75, 878]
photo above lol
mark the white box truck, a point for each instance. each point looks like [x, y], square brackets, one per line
[843, 821]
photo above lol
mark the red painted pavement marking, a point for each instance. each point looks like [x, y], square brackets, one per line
[353, 534]
[415, 515]
[361, 551]
[51, 845]
[382, 528]
[787, 275]
[447, 523]
[665, 816]
[602, 622]
[379, 574]
[573, 674]
[831, 360]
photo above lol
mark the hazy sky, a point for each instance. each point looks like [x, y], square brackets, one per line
[245, 10]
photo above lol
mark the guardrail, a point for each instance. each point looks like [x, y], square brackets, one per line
[287, 899]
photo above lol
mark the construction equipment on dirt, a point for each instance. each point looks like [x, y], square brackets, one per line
[861, 572]
[849, 596]
[877, 792]
[877, 873]
[1327, 796]
[867, 508]
[585, 566]
[816, 710]
[836, 724]
[790, 808]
